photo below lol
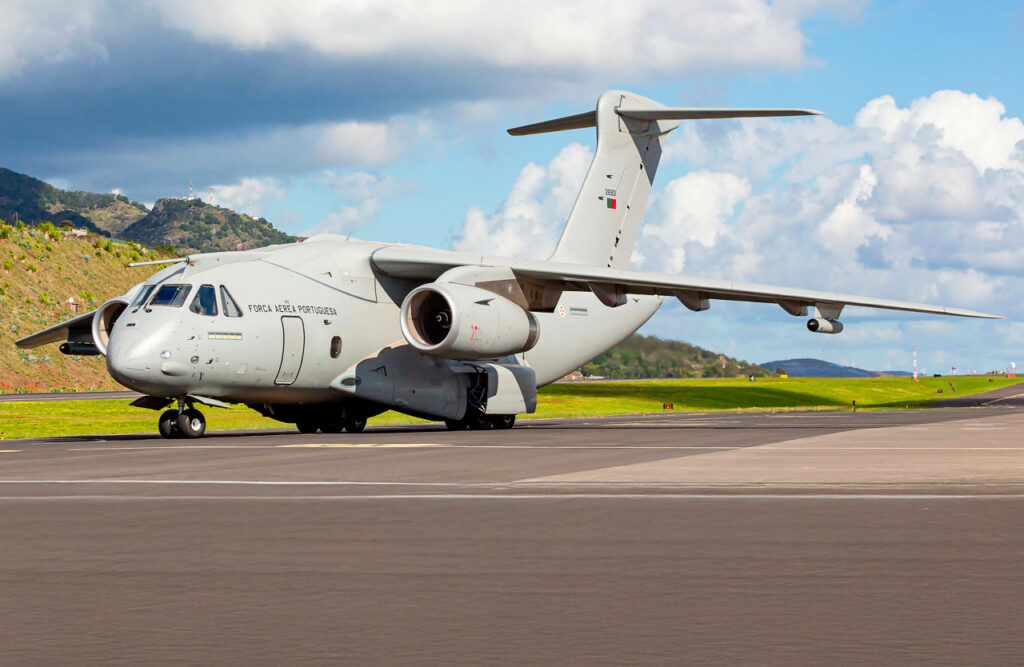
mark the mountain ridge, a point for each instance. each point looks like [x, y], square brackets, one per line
[807, 367]
[187, 225]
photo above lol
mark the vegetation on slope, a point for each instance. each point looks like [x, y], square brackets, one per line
[191, 225]
[651, 357]
[33, 201]
[40, 269]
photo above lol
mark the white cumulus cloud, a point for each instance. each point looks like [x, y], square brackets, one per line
[240, 195]
[528, 222]
[920, 203]
[51, 31]
[606, 36]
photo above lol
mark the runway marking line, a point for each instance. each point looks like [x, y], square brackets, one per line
[512, 487]
[520, 497]
[785, 444]
[361, 445]
[9, 451]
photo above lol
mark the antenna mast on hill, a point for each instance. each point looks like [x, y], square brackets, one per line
[211, 194]
[190, 188]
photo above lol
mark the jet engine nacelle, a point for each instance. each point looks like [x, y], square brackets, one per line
[824, 325]
[463, 322]
[103, 322]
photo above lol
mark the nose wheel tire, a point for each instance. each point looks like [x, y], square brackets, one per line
[169, 424]
[191, 423]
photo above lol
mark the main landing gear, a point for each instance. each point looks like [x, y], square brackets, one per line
[477, 421]
[349, 424]
[182, 423]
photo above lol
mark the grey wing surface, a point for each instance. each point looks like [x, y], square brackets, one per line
[610, 285]
[58, 332]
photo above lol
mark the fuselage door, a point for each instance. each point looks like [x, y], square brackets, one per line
[294, 345]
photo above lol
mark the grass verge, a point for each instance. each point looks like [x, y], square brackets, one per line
[109, 417]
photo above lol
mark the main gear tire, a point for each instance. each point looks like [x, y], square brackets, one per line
[332, 427]
[168, 424]
[503, 421]
[355, 425]
[307, 426]
[478, 422]
[192, 423]
[455, 424]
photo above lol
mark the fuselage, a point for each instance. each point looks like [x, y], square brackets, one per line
[277, 325]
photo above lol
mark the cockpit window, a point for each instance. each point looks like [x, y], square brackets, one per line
[231, 308]
[205, 302]
[141, 297]
[171, 295]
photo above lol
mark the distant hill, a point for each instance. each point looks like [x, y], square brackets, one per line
[33, 201]
[193, 225]
[188, 225]
[651, 357]
[816, 368]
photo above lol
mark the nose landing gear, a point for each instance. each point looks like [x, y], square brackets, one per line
[182, 423]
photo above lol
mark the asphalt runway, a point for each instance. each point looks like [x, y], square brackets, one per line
[855, 538]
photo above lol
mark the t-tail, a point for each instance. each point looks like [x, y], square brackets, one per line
[604, 222]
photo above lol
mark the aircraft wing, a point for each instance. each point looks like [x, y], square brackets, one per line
[611, 285]
[58, 332]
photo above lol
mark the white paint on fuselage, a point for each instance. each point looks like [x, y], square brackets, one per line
[330, 284]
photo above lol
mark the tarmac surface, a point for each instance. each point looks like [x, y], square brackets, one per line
[713, 538]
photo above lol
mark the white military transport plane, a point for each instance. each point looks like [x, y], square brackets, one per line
[329, 331]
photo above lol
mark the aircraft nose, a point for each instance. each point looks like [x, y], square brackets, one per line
[136, 357]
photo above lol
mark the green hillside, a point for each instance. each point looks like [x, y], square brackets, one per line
[33, 201]
[651, 357]
[191, 225]
[40, 269]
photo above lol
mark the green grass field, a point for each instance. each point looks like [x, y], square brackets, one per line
[108, 417]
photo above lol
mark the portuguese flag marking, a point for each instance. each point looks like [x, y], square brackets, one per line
[611, 202]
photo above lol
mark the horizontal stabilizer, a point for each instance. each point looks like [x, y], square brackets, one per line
[580, 120]
[683, 113]
[589, 118]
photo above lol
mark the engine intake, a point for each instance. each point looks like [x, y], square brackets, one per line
[463, 322]
[103, 322]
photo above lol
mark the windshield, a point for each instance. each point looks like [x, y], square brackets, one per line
[170, 295]
[141, 297]
[205, 302]
[231, 308]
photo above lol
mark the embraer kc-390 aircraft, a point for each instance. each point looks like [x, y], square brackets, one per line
[329, 331]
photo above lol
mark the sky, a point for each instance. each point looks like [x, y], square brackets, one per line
[387, 120]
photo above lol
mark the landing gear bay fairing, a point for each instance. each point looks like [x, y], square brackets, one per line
[329, 331]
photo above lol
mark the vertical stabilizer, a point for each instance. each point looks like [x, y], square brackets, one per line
[605, 219]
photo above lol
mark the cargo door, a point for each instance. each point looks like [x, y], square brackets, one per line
[294, 335]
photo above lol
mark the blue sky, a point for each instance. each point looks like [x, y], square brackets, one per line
[388, 122]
